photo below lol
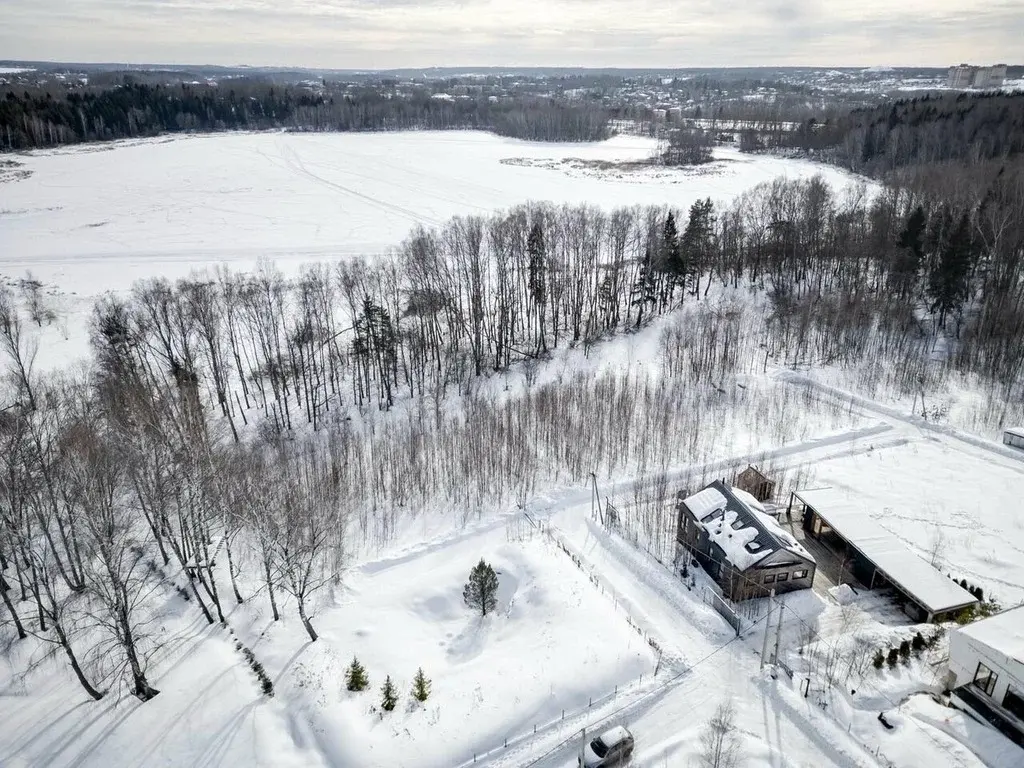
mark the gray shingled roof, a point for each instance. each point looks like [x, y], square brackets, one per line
[746, 519]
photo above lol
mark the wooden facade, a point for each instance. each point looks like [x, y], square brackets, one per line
[756, 483]
[783, 569]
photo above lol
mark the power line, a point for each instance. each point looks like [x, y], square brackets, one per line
[658, 689]
[814, 634]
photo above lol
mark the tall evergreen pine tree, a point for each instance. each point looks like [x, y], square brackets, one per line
[420, 686]
[538, 281]
[356, 678]
[481, 591]
[949, 281]
[911, 242]
[388, 695]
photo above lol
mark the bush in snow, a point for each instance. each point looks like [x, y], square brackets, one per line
[879, 659]
[266, 684]
[905, 651]
[420, 686]
[893, 657]
[355, 676]
[917, 644]
[388, 695]
[481, 591]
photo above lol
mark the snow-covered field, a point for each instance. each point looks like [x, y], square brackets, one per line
[98, 217]
[582, 613]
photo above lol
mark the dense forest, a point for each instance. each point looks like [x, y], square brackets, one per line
[64, 115]
[953, 127]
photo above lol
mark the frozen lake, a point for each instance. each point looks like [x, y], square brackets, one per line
[98, 217]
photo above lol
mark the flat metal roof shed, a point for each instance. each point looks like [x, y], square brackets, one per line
[917, 579]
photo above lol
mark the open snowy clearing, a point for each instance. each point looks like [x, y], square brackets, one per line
[553, 645]
[98, 217]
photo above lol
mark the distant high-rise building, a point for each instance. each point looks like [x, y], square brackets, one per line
[968, 76]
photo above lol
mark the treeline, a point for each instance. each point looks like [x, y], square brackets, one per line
[70, 115]
[944, 128]
[117, 498]
[480, 294]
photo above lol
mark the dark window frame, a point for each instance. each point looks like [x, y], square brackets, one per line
[782, 577]
[985, 683]
[801, 574]
[769, 578]
[1013, 702]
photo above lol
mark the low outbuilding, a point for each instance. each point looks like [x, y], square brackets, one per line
[875, 557]
[1014, 436]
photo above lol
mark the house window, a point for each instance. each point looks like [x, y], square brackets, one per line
[801, 574]
[769, 579]
[985, 679]
[1014, 702]
[782, 577]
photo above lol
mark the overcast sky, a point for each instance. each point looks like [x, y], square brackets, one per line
[418, 33]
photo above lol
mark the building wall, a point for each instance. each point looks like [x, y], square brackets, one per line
[961, 76]
[967, 76]
[753, 582]
[964, 655]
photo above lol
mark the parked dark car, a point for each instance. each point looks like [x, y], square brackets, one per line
[614, 747]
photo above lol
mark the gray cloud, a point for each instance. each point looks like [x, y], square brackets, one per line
[399, 33]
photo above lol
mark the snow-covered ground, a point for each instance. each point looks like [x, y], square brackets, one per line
[582, 613]
[578, 605]
[97, 217]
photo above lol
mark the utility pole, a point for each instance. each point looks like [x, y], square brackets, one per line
[593, 490]
[583, 743]
[778, 634]
[767, 626]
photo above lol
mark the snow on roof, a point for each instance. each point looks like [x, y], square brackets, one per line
[1015, 431]
[614, 735]
[748, 499]
[851, 520]
[738, 524]
[703, 503]
[734, 541]
[1003, 632]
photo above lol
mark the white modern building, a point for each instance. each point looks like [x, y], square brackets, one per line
[968, 76]
[987, 661]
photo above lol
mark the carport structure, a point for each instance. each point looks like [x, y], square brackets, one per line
[875, 557]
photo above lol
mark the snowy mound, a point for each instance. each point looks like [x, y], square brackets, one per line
[843, 594]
